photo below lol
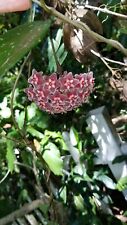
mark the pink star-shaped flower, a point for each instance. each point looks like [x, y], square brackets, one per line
[59, 94]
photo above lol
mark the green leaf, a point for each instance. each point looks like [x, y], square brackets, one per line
[53, 134]
[62, 143]
[34, 132]
[31, 111]
[120, 159]
[10, 156]
[62, 54]
[63, 194]
[73, 136]
[108, 182]
[73, 150]
[17, 42]
[44, 140]
[20, 118]
[79, 202]
[60, 51]
[5, 111]
[57, 39]
[53, 159]
[122, 184]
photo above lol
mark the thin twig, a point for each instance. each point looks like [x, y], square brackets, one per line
[24, 165]
[116, 62]
[2, 180]
[80, 25]
[105, 10]
[102, 59]
[25, 118]
[35, 171]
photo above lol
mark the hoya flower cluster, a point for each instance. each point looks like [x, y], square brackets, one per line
[59, 94]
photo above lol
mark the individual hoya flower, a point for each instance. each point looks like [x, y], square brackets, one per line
[59, 94]
[36, 78]
[50, 83]
[67, 81]
[30, 93]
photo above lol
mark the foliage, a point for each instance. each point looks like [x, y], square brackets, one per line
[51, 156]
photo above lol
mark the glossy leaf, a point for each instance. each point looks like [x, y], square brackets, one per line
[5, 111]
[73, 150]
[17, 42]
[31, 111]
[108, 182]
[20, 117]
[34, 132]
[122, 184]
[53, 159]
[63, 194]
[73, 136]
[79, 202]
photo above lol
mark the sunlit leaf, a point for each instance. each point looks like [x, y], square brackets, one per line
[79, 202]
[53, 159]
[73, 136]
[34, 132]
[73, 150]
[31, 111]
[20, 117]
[63, 194]
[108, 182]
[44, 140]
[122, 184]
[5, 111]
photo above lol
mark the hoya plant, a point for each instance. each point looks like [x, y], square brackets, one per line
[59, 60]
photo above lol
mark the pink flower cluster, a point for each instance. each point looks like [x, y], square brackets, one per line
[59, 94]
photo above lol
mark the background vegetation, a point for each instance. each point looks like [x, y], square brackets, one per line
[49, 158]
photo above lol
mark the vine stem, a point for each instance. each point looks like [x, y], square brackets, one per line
[80, 25]
[12, 98]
